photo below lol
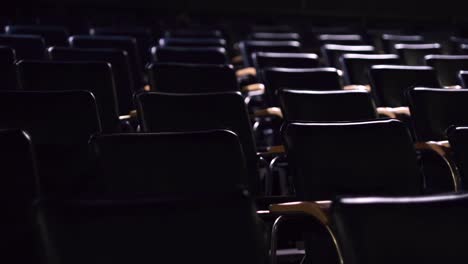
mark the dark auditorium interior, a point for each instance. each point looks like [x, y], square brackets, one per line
[233, 132]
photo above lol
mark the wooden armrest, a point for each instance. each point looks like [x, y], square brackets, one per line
[253, 87]
[393, 112]
[147, 88]
[273, 150]
[124, 117]
[440, 147]
[453, 87]
[317, 209]
[246, 71]
[271, 111]
[131, 114]
[237, 59]
[357, 87]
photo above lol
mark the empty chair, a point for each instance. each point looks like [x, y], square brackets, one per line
[127, 44]
[118, 59]
[95, 77]
[463, 76]
[198, 55]
[287, 36]
[142, 35]
[333, 52]
[413, 54]
[356, 66]
[330, 159]
[60, 125]
[448, 67]
[326, 106]
[425, 229]
[26, 47]
[343, 39]
[390, 83]
[9, 78]
[192, 42]
[304, 79]
[18, 191]
[193, 33]
[167, 164]
[82, 231]
[53, 35]
[433, 111]
[389, 41]
[192, 78]
[162, 112]
[285, 60]
[248, 47]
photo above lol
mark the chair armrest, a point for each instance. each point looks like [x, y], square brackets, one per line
[393, 112]
[357, 87]
[273, 150]
[131, 115]
[253, 88]
[271, 111]
[237, 59]
[246, 71]
[453, 87]
[318, 210]
[147, 88]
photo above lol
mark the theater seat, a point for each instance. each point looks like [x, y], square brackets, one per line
[248, 47]
[332, 52]
[389, 41]
[192, 78]
[60, 124]
[413, 54]
[341, 39]
[192, 42]
[96, 77]
[356, 66]
[196, 55]
[150, 165]
[26, 47]
[448, 67]
[53, 35]
[263, 60]
[180, 230]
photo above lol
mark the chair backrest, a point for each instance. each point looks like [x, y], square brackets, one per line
[168, 164]
[18, 191]
[326, 106]
[356, 66]
[26, 47]
[95, 77]
[198, 55]
[448, 67]
[413, 54]
[333, 52]
[343, 39]
[148, 231]
[53, 35]
[391, 82]
[129, 44]
[263, 60]
[272, 36]
[9, 77]
[196, 112]
[118, 59]
[433, 111]
[458, 138]
[192, 78]
[463, 77]
[193, 33]
[320, 79]
[425, 229]
[389, 41]
[192, 42]
[355, 158]
[248, 47]
[60, 125]
[143, 36]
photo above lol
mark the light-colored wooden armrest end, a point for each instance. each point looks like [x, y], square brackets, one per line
[253, 87]
[125, 117]
[357, 87]
[271, 111]
[316, 209]
[453, 87]
[132, 114]
[147, 88]
[273, 150]
[246, 71]
[393, 112]
[440, 147]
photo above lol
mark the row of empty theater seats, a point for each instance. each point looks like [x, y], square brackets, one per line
[204, 146]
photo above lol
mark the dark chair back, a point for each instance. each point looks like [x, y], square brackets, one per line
[414, 54]
[26, 47]
[196, 55]
[333, 52]
[448, 67]
[248, 47]
[263, 60]
[53, 35]
[356, 66]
